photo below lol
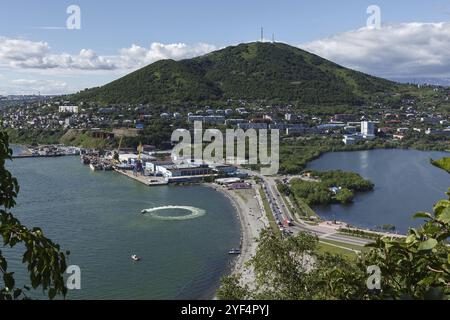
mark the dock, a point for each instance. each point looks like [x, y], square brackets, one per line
[25, 156]
[148, 181]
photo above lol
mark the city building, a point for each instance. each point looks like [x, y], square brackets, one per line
[246, 126]
[71, 109]
[368, 129]
[182, 170]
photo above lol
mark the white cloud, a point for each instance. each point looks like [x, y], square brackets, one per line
[25, 54]
[401, 50]
[16, 51]
[136, 56]
[395, 50]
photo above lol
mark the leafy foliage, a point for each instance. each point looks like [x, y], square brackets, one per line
[418, 266]
[316, 193]
[413, 267]
[344, 196]
[44, 259]
[313, 193]
[443, 163]
[348, 180]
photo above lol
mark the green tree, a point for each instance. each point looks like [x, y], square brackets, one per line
[418, 266]
[116, 156]
[293, 269]
[443, 163]
[45, 261]
[413, 267]
[345, 196]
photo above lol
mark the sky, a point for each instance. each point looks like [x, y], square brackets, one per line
[39, 53]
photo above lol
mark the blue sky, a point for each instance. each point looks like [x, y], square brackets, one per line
[107, 27]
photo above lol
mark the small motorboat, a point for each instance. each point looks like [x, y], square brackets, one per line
[234, 251]
[135, 258]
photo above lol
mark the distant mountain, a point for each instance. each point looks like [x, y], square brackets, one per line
[445, 82]
[273, 72]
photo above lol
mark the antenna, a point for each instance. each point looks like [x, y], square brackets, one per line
[262, 34]
[273, 37]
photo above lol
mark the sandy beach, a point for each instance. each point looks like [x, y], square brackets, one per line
[253, 220]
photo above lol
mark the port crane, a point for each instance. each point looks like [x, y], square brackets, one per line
[139, 166]
[117, 160]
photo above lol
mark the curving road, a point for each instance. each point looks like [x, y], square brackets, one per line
[280, 210]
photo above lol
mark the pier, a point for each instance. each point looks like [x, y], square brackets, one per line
[148, 181]
[23, 156]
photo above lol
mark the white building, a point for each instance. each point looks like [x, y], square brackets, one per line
[368, 129]
[349, 139]
[72, 109]
[182, 170]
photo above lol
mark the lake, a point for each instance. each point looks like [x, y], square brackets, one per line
[405, 183]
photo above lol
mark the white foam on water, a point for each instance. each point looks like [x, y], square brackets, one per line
[194, 213]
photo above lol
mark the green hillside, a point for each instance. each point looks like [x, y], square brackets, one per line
[251, 71]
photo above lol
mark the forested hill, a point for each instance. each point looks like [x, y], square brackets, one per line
[253, 71]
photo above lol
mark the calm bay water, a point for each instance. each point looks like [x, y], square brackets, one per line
[97, 216]
[405, 183]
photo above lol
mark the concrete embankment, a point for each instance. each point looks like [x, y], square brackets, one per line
[148, 181]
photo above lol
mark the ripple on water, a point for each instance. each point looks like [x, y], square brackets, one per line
[194, 213]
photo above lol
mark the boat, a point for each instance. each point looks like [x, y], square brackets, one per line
[107, 167]
[85, 159]
[234, 251]
[95, 167]
[135, 258]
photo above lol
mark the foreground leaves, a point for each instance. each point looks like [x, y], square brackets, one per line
[45, 261]
[413, 267]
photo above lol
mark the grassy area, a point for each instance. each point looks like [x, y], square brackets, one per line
[302, 207]
[295, 212]
[360, 233]
[344, 249]
[347, 245]
[269, 214]
[326, 248]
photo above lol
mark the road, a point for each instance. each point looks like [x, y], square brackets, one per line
[280, 210]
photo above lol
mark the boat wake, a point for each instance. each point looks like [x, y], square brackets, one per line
[194, 213]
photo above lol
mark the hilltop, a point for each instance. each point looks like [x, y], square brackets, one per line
[273, 72]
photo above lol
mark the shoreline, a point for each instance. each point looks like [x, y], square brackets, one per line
[252, 220]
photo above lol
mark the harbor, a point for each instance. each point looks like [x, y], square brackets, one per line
[158, 168]
[97, 216]
[46, 151]
[153, 181]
